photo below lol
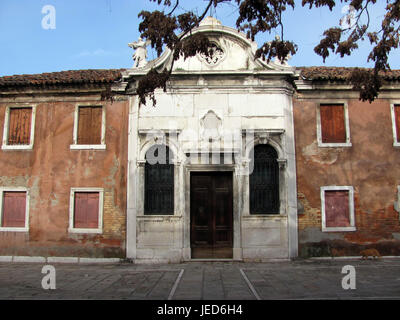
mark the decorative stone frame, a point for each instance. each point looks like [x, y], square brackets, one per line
[346, 120]
[396, 139]
[350, 189]
[278, 93]
[29, 146]
[189, 168]
[219, 45]
[71, 228]
[102, 145]
[17, 189]
[274, 139]
[202, 130]
[150, 138]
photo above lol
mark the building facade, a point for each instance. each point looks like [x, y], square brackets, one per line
[238, 160]
[347, 154]
[60, 145]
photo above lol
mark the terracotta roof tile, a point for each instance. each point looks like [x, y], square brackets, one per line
[111, 75]
[62, 77]
[339, 73]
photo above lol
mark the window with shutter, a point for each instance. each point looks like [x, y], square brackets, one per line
[332, 124]
[89, 128]
[159, 181]
[89, 125]
[264, 181]
[14, 209]
[86, 210]
[397, 121]
[19, 127]
[337, 209]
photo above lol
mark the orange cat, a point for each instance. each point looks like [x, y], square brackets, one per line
[337, 252]
[370, 252]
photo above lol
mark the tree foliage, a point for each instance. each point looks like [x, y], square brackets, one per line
[167, 28]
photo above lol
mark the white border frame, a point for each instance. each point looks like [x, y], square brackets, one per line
[29, 146]
[350, 189]
[396, 139]
[15, 189]
[102, 145]
[346, 120]
[71, 228]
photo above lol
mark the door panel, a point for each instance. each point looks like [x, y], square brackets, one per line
[211, 214]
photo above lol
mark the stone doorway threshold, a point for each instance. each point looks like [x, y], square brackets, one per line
[211, 260]
[212, 253]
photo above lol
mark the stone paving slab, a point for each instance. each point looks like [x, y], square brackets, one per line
[300, 279]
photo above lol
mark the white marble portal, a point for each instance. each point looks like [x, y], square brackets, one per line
[223, 106]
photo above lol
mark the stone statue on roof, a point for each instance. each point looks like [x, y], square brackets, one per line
[140, 54]
[288, 57]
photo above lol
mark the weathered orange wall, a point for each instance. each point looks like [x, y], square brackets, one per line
[51, 169]
[371, 166]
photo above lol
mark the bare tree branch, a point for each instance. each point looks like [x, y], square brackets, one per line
[266, 16]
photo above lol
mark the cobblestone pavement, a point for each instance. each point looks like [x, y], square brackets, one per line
[301, 279]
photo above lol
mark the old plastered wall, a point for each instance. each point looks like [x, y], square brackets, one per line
[370, 165]
[176, 121]
[239, 93]
[51, 169]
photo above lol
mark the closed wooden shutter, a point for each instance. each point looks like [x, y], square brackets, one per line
[337, 213]
[89, 125]
[19, 126]
[333, 128]
[397, 120]
[86, 210]
[14, 209]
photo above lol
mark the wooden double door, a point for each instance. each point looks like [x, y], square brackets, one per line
[211, 215]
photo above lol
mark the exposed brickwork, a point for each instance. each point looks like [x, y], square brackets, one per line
[311, 216]
[113, 218]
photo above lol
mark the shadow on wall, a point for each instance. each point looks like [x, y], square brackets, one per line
[344, 248]
[64, 251]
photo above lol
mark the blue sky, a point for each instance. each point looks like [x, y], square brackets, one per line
[93, 34]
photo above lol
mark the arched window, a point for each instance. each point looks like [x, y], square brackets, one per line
[264, 181]
[159, 181]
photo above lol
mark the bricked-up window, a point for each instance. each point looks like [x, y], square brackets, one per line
[337, 209]
[89, 125]
[333, 126]
[86, 210]
[159, 181]
[14, 208]
[19, 126]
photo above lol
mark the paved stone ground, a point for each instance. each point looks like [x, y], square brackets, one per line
[302, 279]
